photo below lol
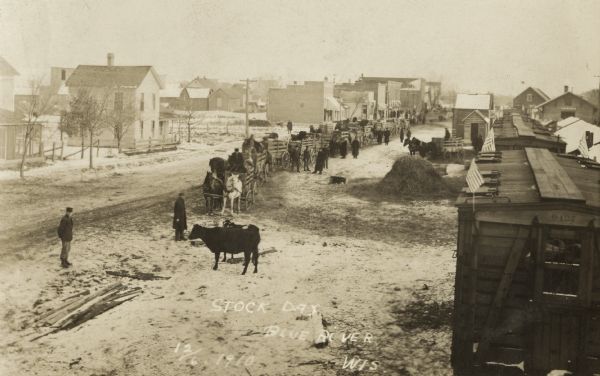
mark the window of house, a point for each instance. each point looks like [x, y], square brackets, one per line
[153, 101]
[153, 126]
[589, 138]
[161, 126]
[141, 129]
[142, 102]
[529, 98]
[118, 101]
[63, 74]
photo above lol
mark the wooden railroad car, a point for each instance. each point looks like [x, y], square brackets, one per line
[527, 285]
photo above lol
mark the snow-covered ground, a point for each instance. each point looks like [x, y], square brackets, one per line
[380, 269]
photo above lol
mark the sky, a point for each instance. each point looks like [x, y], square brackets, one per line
[499, 46]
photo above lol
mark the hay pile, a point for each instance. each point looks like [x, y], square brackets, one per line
[413, 176]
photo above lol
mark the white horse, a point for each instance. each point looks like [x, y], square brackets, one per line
[233, 190]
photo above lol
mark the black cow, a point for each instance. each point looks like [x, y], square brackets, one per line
[232, 240]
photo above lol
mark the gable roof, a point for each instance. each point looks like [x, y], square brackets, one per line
[562, 95]
[573, 133]
[198, 93]
[200, 83]
[230, 92]
[567, 121]
[538, 92]
[473, 101]
[7, 70]
[104, 75]
[478, 113]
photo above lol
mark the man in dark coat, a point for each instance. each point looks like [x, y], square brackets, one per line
[179, 218]
[408, 134]
[401, 134]
[479, 143]
[446, 135]
[236, 161]
[289, 126]
[355, 147]
[319, 162]
[306, 159]
[295, 158]
[65, 233]
[344, 148]
[379, 136]
[326, 157]
[386, 136]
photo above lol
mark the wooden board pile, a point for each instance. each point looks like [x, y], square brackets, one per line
[84, 306]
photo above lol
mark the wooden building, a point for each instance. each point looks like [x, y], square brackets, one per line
[527, 284]
[512, 132]
[194, 99]
[464, 106]
[227, 100]
[566, 105]
[12, 137]
[529, 99]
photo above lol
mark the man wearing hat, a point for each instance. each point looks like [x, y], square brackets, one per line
[179, 218]
[65, 233]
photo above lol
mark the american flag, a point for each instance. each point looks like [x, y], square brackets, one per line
[489, 145]
[474, 178]
[583, 147]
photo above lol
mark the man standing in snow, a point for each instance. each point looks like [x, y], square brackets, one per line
[306, 159]
[65, 233]
[179, 218]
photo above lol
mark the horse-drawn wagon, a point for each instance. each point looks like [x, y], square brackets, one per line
[278, 153]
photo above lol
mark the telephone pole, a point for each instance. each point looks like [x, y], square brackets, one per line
[247, 130]
[598, 111]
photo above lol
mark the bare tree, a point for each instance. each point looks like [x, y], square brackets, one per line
[121, 117]
[90, 112]
[38, 104]
[188, 116]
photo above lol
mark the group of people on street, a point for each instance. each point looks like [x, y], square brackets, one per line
[383, 135]
[320, 163]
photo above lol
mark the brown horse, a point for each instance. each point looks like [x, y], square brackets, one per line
[212, 187]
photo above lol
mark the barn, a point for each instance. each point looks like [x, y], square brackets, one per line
[527, 285]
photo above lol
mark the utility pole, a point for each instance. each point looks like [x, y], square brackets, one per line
[598, 111]
[247, 122]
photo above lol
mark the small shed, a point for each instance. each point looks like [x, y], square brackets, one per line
[12, 137]
[527, 285]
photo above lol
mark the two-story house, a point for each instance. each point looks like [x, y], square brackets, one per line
[528, 100]
[566, 105]
[136, 87]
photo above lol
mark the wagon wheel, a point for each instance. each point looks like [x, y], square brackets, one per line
[285, 160]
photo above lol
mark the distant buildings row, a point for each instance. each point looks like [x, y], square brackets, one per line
[367, 98]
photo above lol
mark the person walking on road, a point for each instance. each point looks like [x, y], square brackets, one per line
[295, 159]
[306, 159]
[289, 126]
[179, 218]
[402, 134]
[355, 147]
[326, 157]
[319, 162]
[65, 233]
[386, 136]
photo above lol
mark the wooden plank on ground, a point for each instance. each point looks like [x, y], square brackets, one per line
[552, 180]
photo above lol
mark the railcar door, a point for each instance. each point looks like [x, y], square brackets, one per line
[564, 268]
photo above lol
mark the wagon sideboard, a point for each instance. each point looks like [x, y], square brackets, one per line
[527, 285]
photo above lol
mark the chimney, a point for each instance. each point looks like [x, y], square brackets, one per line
[566, 88]
[110, 59]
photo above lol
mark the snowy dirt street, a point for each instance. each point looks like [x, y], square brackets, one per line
[379, 271]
